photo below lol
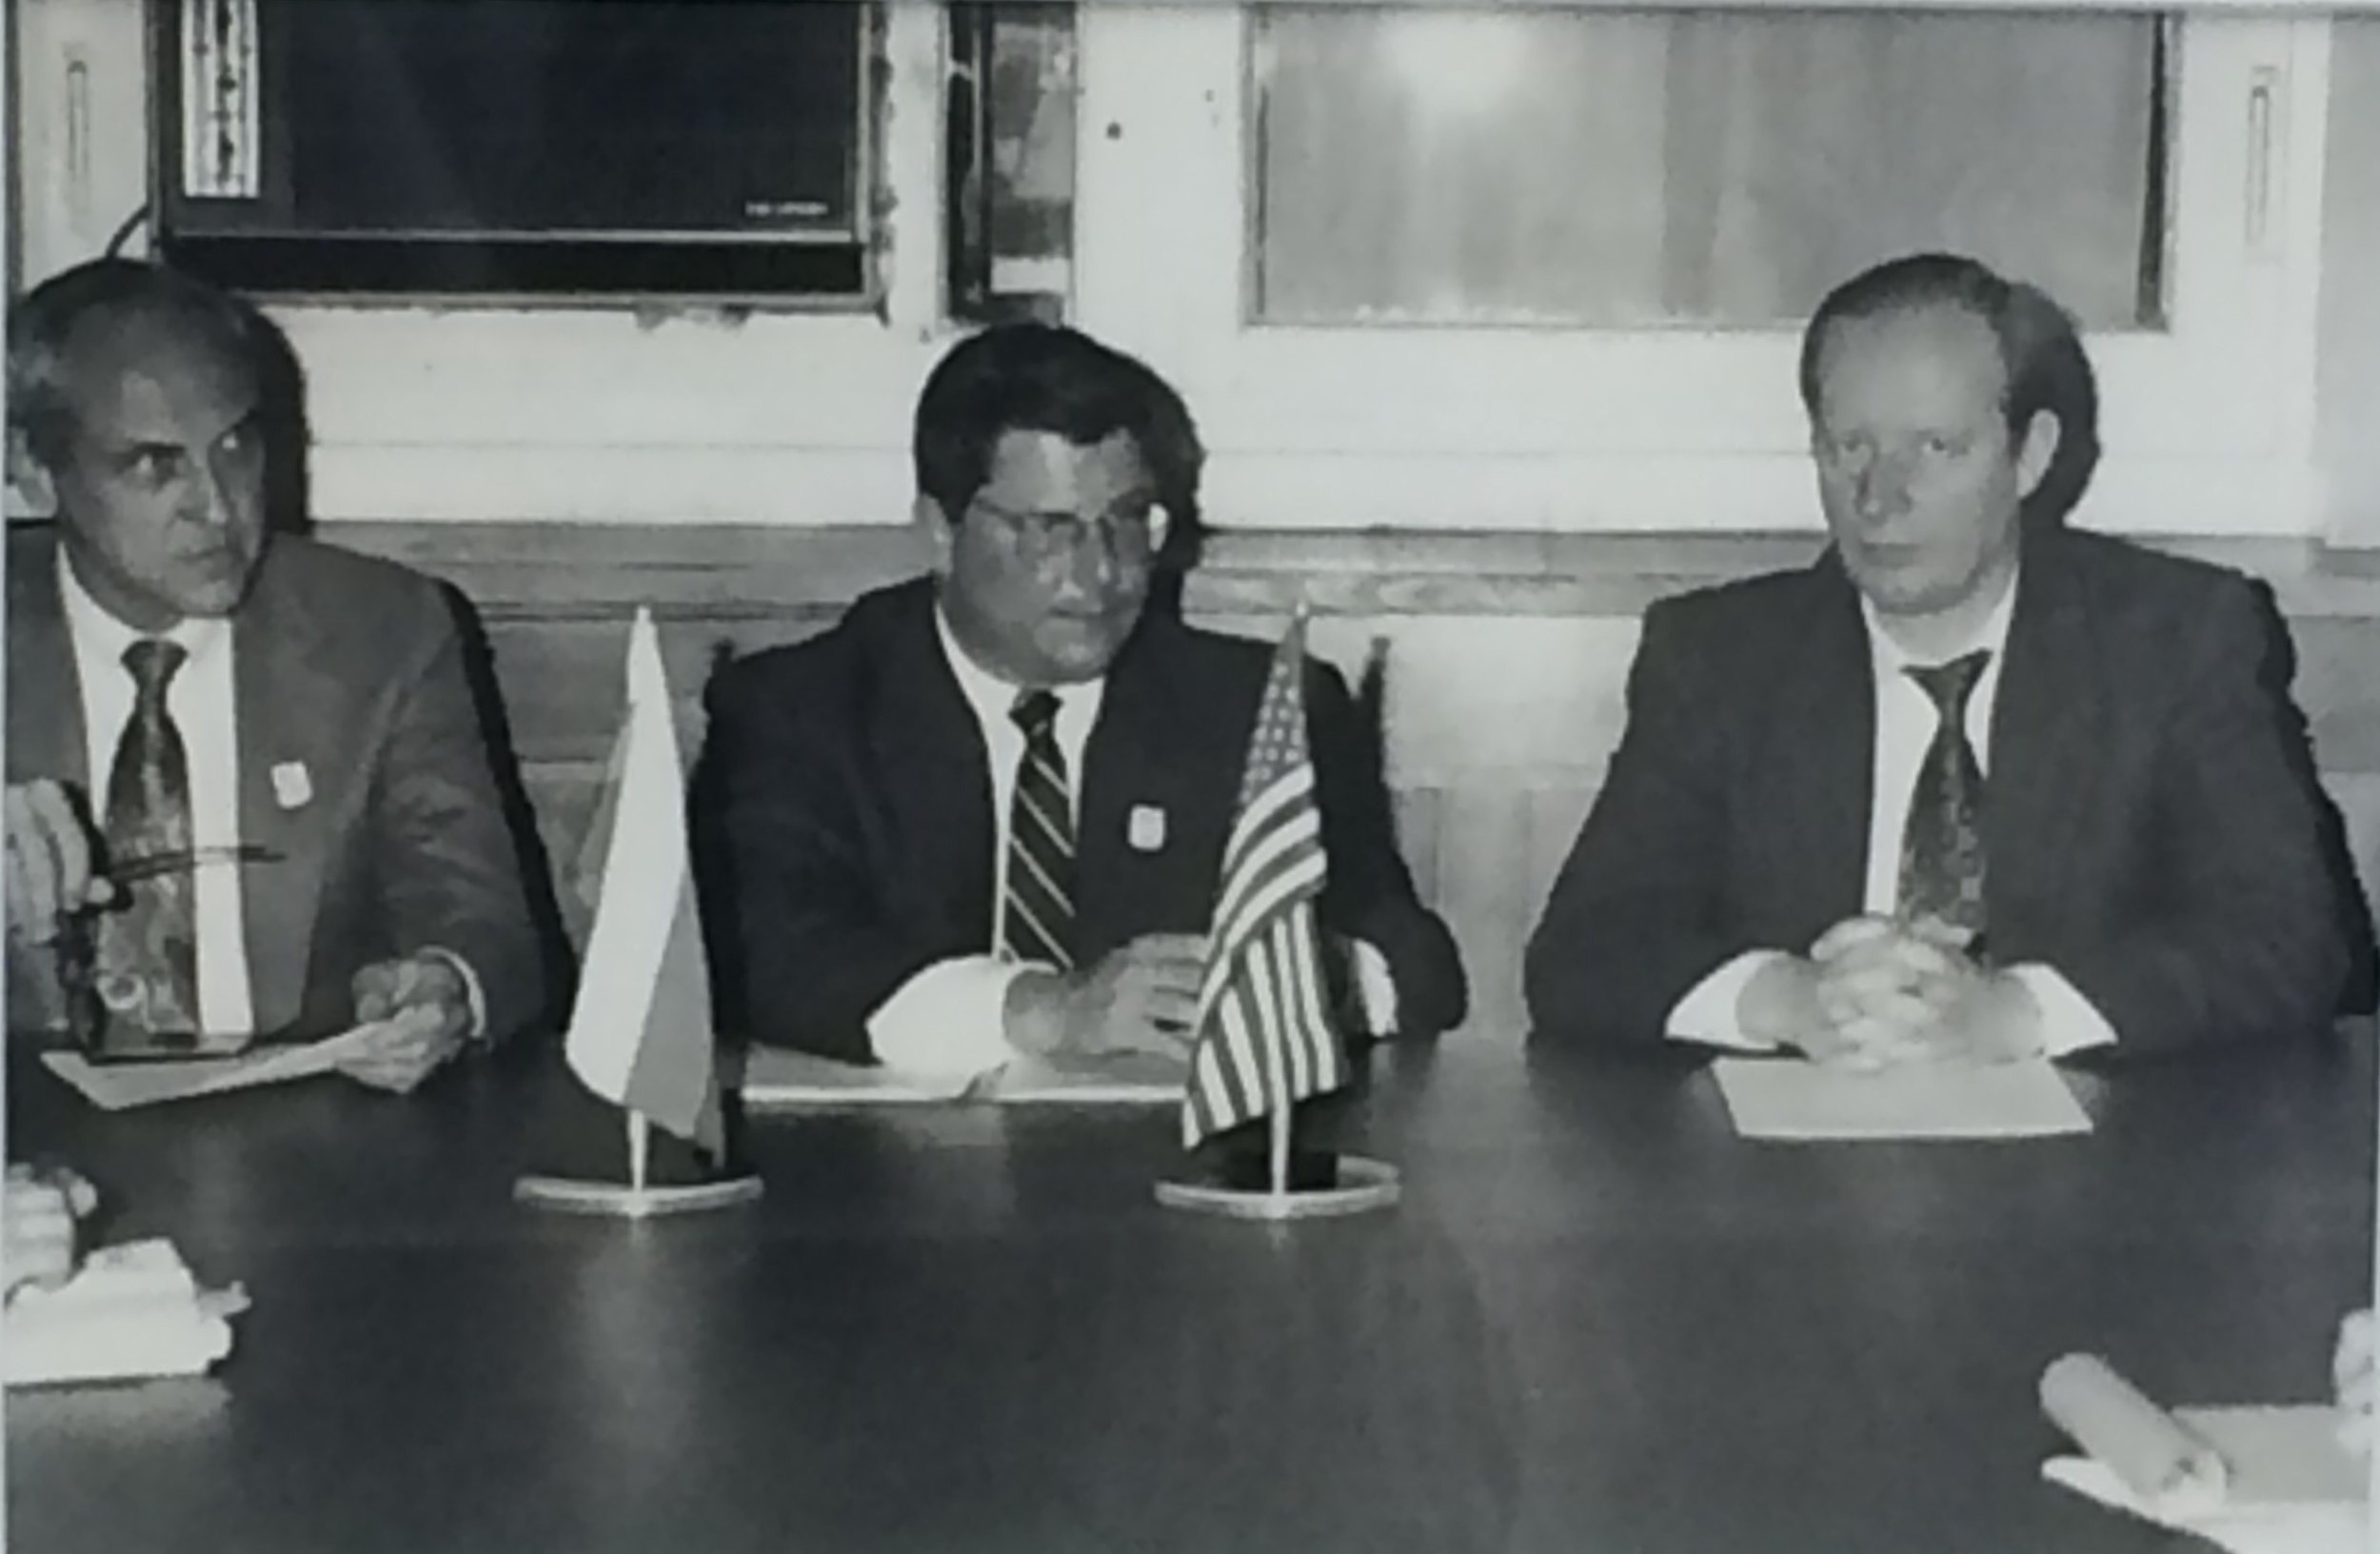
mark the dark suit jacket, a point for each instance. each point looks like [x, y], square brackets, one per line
[2153, 823]
[844, 826]
[353, 668]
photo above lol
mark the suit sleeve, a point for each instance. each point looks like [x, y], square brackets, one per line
[801, 948]
[1370, 895]
[449, 866]
[2247, 934]
[1632, 923]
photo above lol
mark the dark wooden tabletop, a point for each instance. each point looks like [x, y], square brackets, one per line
[1598, 1321]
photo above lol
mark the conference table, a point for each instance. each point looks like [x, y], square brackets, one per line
[1599, 1320]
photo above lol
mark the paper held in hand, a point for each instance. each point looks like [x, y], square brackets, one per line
[119, 1086]
[130, 1312]
[2245, 1478]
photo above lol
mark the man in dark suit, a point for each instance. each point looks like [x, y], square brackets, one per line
[985, 814]
[290, 723]
[1972, 786]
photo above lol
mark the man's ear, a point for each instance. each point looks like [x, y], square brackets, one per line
[926, 514]
[1161, 525]
[30, 491]
[2039, 449]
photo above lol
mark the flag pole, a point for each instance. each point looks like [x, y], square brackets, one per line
[1276, 1061]
[1279, 1121]
[1279, 1114]
[639, 1138]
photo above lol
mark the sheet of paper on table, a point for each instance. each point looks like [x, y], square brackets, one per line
[2292, 1488]
[130, 1312]
[1788, 1098]
[117, 1087]
[776, 1077]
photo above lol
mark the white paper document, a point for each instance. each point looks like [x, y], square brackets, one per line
[117, 1087]
[2291, 1487]
[1129, 1080]
[776, 1078]
[1788, 1098]
[130, 1312]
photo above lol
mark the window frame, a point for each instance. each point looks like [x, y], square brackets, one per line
[2208, 426]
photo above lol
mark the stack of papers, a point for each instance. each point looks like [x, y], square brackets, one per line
[130, 1311]
[1789, 1098]
[777, 1078]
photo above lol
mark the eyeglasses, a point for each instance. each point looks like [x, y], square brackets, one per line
[1126, 534]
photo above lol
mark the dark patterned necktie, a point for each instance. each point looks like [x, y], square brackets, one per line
[147, 948]
[1037, 916]
[1942, 858]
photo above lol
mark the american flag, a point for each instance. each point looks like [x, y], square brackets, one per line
[1265, 1037]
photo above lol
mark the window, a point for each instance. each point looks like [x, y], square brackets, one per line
[550, 148]
[1008, 176]
[1545, 267]
[1716, 169]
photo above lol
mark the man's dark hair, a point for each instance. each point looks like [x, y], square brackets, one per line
[2040, 348]
[43, 323]
[1046, 377]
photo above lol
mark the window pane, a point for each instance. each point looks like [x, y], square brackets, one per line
[415, 115]
[1707, 169]
[1010, 162]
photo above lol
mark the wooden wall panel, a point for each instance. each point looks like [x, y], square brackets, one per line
[1503, 658]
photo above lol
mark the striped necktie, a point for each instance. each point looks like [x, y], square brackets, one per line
[1942, 862]
[1037, 912]
[147, 948]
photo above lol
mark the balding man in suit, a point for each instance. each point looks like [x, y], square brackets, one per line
[245, 771]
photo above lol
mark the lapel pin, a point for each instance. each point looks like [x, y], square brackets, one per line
[291, 787]
[1145, 829]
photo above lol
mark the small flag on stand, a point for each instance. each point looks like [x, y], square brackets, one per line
[1266, 1038]
[641, 1029]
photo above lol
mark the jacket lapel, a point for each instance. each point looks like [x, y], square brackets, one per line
[1161, 774]
[290, 719]
[932, 775]
[45, 736]
[2050, 704]
[1118, 762]
[1820, 758]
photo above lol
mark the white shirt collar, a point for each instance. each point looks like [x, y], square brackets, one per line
[993, 698]
[1991, 634]
[103, 637]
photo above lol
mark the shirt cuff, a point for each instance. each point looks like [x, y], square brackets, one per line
[1376, 988]
[948, 1019]
[1708, 1013]
[473, 997]
[2069, 1024]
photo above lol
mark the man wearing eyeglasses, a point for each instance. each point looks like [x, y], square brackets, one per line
[248, 791]
[985, 815]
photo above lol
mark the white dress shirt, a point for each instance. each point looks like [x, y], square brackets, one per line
[950, 1017]
[1906, 719]
[201, 700]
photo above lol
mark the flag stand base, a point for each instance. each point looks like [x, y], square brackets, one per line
[620, 1200]
[1363, 1184]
